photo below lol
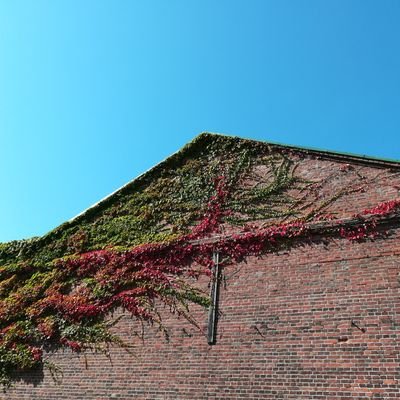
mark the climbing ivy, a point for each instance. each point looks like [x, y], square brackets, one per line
[137, 248]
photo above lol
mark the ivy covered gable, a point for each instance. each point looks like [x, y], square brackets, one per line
[146, 244]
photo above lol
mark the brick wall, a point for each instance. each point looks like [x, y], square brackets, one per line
[318, 321]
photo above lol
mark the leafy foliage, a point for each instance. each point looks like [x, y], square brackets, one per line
[136, 249]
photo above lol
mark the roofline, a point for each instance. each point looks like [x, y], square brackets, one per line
[135, 181]
[203, 136]
[337, 155]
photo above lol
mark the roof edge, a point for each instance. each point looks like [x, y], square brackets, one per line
[204, 137]
[378, 161]
[179, 154]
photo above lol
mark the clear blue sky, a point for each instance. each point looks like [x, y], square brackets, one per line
[92, 93]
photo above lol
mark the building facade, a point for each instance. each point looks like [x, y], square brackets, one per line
[235, 269]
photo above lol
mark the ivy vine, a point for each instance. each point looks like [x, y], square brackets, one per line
[137, 249]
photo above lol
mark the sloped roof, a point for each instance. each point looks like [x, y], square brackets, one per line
[189, 150]
[206, 137]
